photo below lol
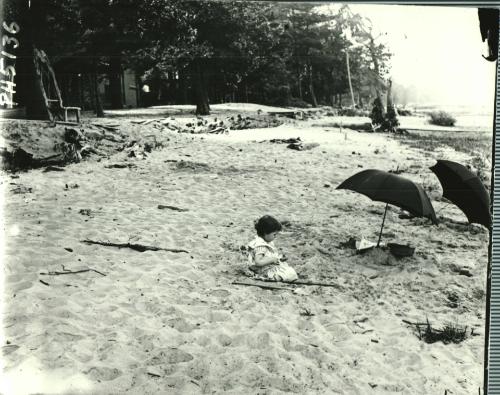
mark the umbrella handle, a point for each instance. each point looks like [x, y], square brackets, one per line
[382, 227]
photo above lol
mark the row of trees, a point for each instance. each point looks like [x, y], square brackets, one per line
[207, 51]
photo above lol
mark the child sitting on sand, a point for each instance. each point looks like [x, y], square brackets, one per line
[263, 258]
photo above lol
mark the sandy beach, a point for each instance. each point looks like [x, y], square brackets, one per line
[163, 322]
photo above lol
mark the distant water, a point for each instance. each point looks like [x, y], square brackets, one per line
[467, 116]
[455, 109]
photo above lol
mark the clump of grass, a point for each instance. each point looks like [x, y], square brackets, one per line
[469, 144]
[442, 118]
[306, 312]
[449, 334]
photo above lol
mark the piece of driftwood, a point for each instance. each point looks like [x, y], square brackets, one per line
[261, 286]
[72, 272]
[52, 168]
[112, 128]
[136, 247]
[162, 207]
[414, 323]
[320, 284]
[218, 130]
[120, 166]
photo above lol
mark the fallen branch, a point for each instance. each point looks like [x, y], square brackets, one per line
[218, 130]
[112, 128]
[70, 272]
[136, 247]
[306, 283]
[161, 207]
[52, 168]
[261, 286]
[43, 282]
[414, 323]
[120, 166]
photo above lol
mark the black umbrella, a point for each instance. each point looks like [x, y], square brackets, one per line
[392, 189]
[464, 189]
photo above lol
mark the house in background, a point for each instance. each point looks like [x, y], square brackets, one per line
[130, 90]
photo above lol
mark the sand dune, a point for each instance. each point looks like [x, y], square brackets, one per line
[163, 322]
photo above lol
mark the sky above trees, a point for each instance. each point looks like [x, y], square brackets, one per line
[437, 50]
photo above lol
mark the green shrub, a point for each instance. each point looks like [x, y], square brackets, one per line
[391, 121]
[442, 118]
[377, 114]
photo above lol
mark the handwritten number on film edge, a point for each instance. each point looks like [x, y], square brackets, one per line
[7, 86]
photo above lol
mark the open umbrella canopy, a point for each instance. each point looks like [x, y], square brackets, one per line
[386, 187]
[465, 190]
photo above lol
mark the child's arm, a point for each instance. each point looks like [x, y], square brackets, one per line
[262, 260]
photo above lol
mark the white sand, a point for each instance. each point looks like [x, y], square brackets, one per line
[163, 322]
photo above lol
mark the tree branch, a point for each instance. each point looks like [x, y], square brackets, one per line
[136, 247]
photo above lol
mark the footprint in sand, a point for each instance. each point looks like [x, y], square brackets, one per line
[70, 337]
[6, 350]
[199, 369]
[259, 341]
[170, 355]
[181, 325]
[21, 286]
[221, 293]
[218, 316]
[103, 373]
[224, 340]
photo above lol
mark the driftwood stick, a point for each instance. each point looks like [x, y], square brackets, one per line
[261, 286]
[112, 128]
[136, 247]
[70, 272]
[217, 130]
[305, 283]
[162, 207]
[415, 323]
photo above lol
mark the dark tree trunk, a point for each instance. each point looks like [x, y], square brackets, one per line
[115, 81]
[159, 93]
[377, 72]
[74, 91]
[81, 92]
[311, 87]
[36, 107]
[29, 86]
[299, 85]
[99, 112]
[201, 96]
[182, 93]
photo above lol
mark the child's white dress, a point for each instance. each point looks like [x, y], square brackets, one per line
[277, 272]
